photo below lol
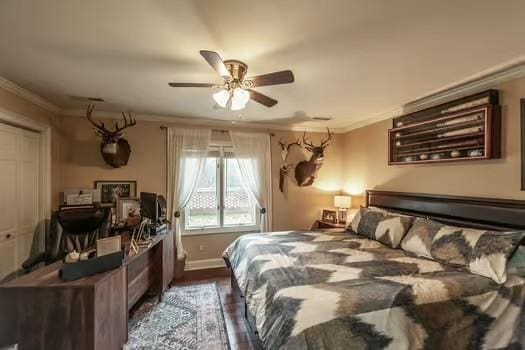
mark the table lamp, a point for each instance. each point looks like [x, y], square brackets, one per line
[343, 203]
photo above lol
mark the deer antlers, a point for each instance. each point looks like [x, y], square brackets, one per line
[101, 129]
[323, 144]
[285, 148]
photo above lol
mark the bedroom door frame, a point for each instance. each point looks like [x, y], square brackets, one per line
[44, 131]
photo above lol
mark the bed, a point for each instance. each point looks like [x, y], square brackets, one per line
[334, 289]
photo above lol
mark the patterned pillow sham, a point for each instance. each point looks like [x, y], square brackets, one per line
[383, 226]
[516, 264]
[482, 252]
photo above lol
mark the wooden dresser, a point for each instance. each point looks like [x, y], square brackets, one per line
[39, 311]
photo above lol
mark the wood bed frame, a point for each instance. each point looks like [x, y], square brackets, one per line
[474, 212]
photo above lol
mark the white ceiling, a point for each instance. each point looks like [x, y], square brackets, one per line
[352, 59]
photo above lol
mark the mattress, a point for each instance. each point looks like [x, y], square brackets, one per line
[339, 290]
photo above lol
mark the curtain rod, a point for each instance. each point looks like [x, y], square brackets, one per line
[219, 130]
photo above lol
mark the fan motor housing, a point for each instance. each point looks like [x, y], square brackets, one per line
[237, 69]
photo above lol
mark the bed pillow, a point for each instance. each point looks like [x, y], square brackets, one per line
[516, 264]
[385, 227]
[482, 252]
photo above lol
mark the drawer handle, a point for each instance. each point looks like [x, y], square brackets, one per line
[8, 236]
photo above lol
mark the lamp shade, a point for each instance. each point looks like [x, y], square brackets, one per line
[343, 202]
[239, 99]
[222, 97]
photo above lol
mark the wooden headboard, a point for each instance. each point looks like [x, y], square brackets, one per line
[483, 213]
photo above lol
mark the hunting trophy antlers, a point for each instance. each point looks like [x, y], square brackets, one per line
[306, 170]
[285, 167]
[114, 148]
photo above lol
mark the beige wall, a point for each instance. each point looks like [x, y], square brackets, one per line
[297, 208]
[354, 162]
[15, 104]
[366, 157]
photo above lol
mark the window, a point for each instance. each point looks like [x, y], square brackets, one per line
[220, 203]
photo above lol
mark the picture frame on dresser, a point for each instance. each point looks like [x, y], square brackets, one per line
[329, 216]
[522, 127]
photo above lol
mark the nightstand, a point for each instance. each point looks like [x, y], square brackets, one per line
[319, 224]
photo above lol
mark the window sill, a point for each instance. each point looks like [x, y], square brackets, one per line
[220, 230]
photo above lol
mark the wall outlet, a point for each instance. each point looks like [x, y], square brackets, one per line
[201, 248]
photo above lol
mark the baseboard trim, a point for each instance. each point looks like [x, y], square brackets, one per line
[204, 264]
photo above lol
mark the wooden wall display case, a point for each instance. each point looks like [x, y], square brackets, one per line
[465, 131]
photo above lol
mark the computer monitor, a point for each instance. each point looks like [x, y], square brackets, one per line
[149, 207]
[153, 207]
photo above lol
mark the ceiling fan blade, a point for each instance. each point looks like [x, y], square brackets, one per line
[276, 78]
[215, 61]
[262, 99]
[191, 85]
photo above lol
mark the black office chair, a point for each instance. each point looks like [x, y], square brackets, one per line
[72, 229]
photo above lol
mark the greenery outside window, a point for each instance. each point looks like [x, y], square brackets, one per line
[220, 203]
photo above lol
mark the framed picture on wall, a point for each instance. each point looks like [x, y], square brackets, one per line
[522, 108]
[111, 190]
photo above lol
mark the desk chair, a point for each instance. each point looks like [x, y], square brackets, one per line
[72, 229]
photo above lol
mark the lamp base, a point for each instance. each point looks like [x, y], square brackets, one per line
[341, 219]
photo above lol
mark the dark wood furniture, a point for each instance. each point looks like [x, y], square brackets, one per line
[475, 212]
[39, 311]
[459, 130]
[320, 224]
[490, 97]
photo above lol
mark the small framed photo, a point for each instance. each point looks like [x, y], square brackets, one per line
[128, 209]
[329, 216]
[108, 245]
[111, 190]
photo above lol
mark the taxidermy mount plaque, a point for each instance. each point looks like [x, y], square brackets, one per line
[114, 148]
[306, 170]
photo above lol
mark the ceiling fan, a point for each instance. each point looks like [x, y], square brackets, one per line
[236, 89]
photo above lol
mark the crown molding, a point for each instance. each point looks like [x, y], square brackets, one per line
[39, 101]
[483, 80]
[374, 119]
[202, 121]
[488, 78]
[28, 95]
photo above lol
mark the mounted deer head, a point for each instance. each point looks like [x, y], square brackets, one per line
[306, 170]
[114, 148]
[285, 167]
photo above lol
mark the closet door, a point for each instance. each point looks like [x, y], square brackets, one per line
[29, 189]
[19, 189]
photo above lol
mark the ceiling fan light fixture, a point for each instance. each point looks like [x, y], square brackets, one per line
[236, 91]
[239, 99]
[222, 97]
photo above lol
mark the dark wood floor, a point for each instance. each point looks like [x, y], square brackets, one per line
[233, 308]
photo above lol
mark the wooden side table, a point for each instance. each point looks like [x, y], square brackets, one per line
[319, 224]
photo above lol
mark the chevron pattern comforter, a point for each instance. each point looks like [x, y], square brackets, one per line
[328, 290]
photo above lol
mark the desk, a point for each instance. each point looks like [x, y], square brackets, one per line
[39, 311]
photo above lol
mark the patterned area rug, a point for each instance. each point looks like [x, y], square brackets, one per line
[188, 317]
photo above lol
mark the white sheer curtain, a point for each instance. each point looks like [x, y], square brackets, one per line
[252, 152]
[187, 152]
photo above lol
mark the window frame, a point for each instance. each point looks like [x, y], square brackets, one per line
[219, 151]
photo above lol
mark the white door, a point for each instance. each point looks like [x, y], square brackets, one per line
[19, 189]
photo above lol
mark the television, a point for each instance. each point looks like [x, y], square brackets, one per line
[153, 207]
